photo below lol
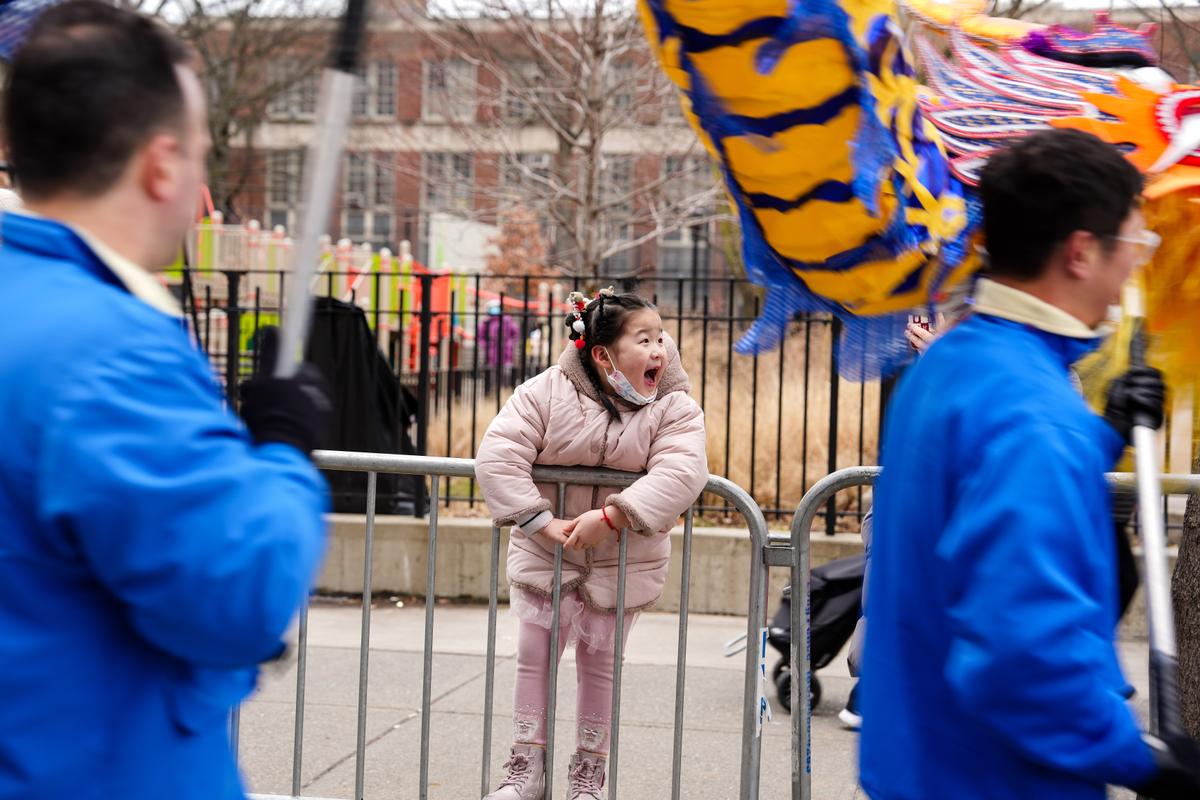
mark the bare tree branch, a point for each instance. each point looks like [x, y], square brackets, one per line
[582, 74]
[247, 56]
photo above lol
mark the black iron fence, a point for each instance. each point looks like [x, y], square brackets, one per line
[459, 344]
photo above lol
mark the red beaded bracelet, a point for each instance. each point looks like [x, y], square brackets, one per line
[607, 521]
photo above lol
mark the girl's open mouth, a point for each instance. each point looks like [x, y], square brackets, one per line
[651, 376]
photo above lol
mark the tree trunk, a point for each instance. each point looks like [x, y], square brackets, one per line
[1185, 589]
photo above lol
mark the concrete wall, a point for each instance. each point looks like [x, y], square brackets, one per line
[720, 581]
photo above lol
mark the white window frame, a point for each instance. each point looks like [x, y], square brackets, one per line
[296, 101]
[442, 167]
[364, 174]
[286, 201]
[457, 99]
[368, 85]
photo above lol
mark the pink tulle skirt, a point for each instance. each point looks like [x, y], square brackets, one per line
[583, 625]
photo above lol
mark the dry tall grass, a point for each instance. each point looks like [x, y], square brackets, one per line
[755, 412]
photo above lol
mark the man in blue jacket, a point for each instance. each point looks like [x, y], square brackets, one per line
[153, 549]
[989, 669]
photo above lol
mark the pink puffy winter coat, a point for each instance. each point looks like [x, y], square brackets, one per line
[557, 419]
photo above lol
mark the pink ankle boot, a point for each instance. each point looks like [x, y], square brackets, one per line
[585, 776]
[526, 779]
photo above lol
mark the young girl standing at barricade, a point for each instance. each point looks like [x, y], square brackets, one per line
[618, 398]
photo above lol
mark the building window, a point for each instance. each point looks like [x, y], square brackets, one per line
[385, 89]
[375, 90]
[622, 86]
[368, 199]
[362, 91]
[449, 180]
[525, 90]
[616, 223]
[296, 96]
[284, 172]
[616, 178]
[684, 252]
[523, 176]
[448, 91]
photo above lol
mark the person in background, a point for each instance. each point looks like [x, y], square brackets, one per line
[499, 336]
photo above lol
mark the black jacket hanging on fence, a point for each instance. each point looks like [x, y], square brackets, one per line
[372, 412]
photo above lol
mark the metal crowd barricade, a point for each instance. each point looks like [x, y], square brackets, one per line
[438, 468]
[810, 506]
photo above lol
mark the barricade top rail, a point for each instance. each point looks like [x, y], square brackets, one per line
[590, 476]
[827, 487]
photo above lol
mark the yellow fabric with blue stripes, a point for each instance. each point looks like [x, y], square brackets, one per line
[842, 188]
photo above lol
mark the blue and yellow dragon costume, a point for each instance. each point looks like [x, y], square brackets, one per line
[853, 178]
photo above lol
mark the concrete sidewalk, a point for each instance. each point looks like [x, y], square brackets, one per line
[712, 749]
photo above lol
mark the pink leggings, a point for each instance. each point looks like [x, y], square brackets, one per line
[593, 714]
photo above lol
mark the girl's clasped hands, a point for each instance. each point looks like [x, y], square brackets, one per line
[588, 529]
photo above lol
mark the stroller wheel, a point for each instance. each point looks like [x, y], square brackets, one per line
[783, 688]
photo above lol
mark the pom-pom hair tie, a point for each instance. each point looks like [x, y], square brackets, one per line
[579, 304]
[577, 325]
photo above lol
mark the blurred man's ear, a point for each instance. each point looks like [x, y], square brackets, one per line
[158, 163]
[1080, 253]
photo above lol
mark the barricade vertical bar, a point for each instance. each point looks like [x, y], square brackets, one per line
[681, 657]
[301, 669]
[754, 620]
[430, 600]
[801, 673]
[556, 602]
[614, 738]
[489, 680]
[821, 492]
[364, 647]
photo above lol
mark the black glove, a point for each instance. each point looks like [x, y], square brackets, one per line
[1178, 761]
[1135, 398]
[294, 410]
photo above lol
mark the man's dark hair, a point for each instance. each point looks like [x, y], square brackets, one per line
[1044, 188]
[91, 85]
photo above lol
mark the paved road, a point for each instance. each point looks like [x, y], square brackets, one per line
[712, 749]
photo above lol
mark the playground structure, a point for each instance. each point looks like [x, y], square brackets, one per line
[246, 267]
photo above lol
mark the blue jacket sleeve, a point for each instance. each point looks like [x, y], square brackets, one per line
[210, 542]
[1032, 654]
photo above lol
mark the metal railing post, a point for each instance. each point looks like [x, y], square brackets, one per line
[233, 337]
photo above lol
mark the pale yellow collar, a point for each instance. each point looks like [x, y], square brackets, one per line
[141, 284]
[1012, 304]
